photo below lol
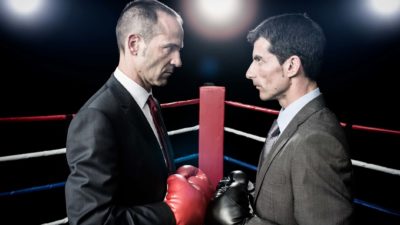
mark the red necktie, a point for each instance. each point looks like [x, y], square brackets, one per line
[162, 133]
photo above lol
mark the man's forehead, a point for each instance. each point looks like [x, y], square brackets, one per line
[262, 43]
[261, 46]
[169, 39]
[165, 18]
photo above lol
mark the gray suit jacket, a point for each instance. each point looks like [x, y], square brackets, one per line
[307, 176]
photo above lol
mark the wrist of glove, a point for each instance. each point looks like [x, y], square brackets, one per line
[231, 203]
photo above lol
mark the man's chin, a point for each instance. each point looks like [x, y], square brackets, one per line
[264, 97]
[162, 82]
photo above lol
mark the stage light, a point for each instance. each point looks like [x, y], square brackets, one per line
[373, 19]
[219, 19]
[24, 8]
[29, 19]
[220, 12]
[386, 8]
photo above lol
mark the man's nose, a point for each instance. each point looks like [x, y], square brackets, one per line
[176, 60]
[249, 73]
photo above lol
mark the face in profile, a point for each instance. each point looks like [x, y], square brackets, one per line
[266, 73]
[161, 55]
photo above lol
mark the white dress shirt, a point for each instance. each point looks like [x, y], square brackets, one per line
[140, 95]
[286, 115]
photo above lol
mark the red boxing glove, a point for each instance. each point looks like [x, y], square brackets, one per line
[186, 202]
[199, 180]
[187, 171]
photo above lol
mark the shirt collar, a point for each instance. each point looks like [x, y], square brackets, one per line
[137, 92]
[287, 114]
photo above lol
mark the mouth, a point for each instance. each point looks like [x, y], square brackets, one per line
[167, 74]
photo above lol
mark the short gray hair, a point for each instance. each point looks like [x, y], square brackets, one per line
[140, 17]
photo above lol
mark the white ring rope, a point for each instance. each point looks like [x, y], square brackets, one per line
[375, 167]
[63, 150]
[57, 222]
[354, 162]
[194, 128]
[241, 133]
[32, 155]
[183, 130]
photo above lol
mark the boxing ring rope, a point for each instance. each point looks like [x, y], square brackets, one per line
[352, 126]
[37, 118]
[353, 161]
[33, 155]
[211, 138]
[63, 150]
[192, 102]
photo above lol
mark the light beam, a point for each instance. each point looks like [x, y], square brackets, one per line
[219, 19]
[386, 8]
[25, 8]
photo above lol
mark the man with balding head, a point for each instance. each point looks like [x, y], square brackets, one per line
[119, 154]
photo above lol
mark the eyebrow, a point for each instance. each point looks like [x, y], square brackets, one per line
[257, 57]
[173, 45]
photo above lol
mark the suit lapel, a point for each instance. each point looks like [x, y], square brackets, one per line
[309, 109]
[135, 116]
[131, 109]
[276, 148]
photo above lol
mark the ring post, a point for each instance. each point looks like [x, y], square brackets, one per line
[211, 132]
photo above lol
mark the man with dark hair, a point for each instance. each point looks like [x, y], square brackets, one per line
[304, 172]
[118, 150]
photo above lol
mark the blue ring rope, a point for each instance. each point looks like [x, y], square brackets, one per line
[241, 163]
[62, 184]
[33, 189]
[186, 158]
[376, 207]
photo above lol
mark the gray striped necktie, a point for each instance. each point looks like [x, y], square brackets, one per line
[272, 136]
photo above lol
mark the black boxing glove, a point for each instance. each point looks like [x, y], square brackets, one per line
[225, 182]
[231, 203]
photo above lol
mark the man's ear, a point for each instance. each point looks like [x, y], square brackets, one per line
[133, 44]
[292, 66]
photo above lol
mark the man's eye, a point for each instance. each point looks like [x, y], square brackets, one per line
[167, 49]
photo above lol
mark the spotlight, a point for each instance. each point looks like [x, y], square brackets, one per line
[24, 8]
[29, 18]
[219, 19]
[220, 12]
[385, 8]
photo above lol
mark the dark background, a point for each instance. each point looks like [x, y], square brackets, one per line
[55, 65]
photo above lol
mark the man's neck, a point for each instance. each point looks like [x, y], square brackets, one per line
[298, 90]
